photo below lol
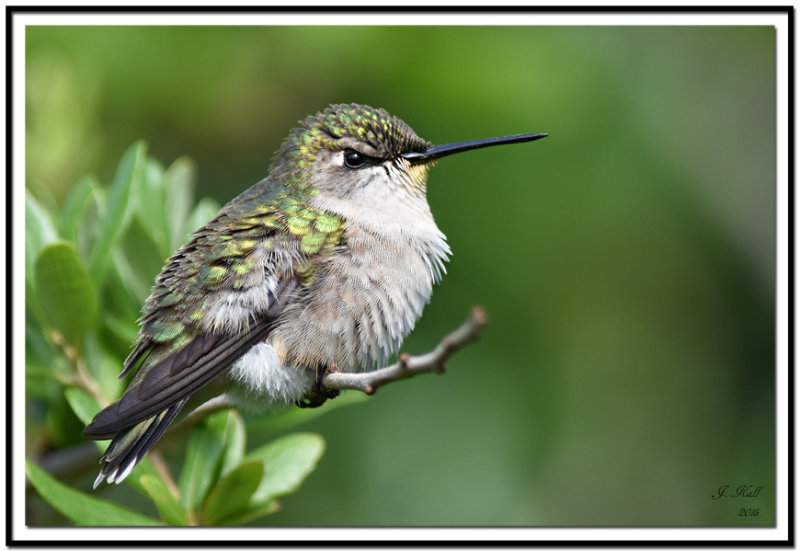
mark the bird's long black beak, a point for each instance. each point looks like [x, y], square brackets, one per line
[438, 151]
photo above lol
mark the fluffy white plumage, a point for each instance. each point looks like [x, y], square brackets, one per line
[262, 382]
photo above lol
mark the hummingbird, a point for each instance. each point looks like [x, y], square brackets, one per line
[328, 261]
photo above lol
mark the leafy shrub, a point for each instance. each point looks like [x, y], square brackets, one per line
[89, 267]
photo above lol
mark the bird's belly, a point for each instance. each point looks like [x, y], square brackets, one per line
[357, 313]
[351, 327]
[261, 381]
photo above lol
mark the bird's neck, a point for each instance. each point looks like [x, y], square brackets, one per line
[387, 215]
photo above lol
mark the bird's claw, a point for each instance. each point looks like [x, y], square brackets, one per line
[319, 394]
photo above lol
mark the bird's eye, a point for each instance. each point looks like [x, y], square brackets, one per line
[354, 159]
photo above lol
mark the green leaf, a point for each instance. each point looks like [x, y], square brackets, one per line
[84, 406]
[125, 299]
[75, 204]
[83, 509]
[150, 205]
[138, 259]
[232, 493]
[103, 364]
[252, 512]
[144, 468]
[287, 462]
[204, 211]
[89, 226]
[39, 231]
[179, 187]
[234, 441]
[199, 471]
[65, 291]
[118, 209]
[169, 508]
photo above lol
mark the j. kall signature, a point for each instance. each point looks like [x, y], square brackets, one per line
[745, 490]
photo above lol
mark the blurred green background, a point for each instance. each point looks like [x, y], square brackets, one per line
[626, 262]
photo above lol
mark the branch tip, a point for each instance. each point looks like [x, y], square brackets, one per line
[479, 317]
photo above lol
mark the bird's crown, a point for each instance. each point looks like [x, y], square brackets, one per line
[387, 135]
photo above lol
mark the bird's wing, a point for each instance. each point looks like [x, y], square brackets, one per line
[174, 376]
[258, 246]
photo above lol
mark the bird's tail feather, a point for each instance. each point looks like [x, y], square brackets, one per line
[129, 446]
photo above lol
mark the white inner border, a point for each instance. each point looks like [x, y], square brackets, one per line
[20, 532]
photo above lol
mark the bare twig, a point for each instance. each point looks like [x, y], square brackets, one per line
[215, 404]
[163, 472]
[408, 366]
[88, 382]
[80, 376]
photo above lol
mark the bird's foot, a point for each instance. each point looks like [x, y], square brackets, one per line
[319, 394]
